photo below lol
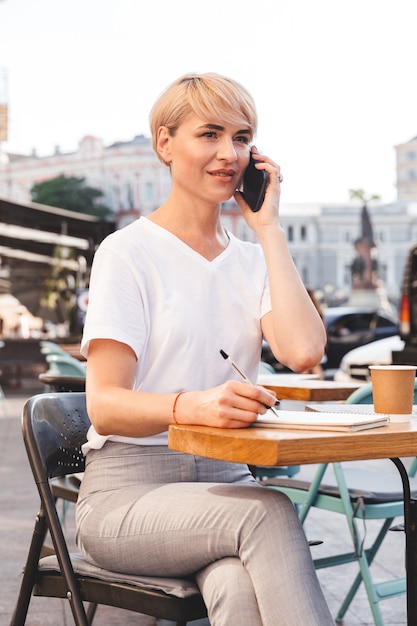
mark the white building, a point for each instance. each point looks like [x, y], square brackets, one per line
[321, 237]
[407, 171]
[128, 173]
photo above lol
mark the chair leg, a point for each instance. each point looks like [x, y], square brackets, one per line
[312, 493]
[370, 592]
[363, 563]
[370, 555]
[413, 468]
[3, 402]
[91, 611]
[29, 573]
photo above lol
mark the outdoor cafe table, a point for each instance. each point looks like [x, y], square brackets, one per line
[306, 388]
[60, 382]
[278, 446]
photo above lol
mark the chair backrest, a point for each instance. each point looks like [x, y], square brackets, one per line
[49, 347]
[266, 368]
[54, 428]
[66, 365]
[363, 395]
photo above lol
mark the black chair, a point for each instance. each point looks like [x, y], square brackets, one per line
[54, 428]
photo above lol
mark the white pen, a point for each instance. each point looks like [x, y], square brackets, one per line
[247, 380]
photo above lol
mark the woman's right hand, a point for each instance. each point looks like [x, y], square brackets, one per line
[233, 404]
[115, 409]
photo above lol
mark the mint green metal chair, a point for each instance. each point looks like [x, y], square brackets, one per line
[363, 395]
[360, 495]
[65, 365]
[50, 347]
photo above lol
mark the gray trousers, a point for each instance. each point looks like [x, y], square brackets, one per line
[152, 511]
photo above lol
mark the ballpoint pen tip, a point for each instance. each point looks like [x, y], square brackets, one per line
[224, 355]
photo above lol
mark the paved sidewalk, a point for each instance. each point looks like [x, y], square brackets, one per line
[19, 505]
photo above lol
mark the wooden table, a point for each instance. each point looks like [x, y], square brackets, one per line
[307, 389]
[58, 382]
[276, 446]
[366, 409]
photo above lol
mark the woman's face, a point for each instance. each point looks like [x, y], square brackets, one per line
[207, 158]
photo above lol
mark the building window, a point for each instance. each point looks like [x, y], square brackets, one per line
[304, 275]
[290, 233]
[148, 192]
[382, 271]
[347, 274]
[303, 233]
[330, 234]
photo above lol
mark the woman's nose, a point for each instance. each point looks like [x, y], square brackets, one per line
[227, 150]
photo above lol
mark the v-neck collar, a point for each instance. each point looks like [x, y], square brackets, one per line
[179, 243]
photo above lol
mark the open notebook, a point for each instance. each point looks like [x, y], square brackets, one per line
[309, 420]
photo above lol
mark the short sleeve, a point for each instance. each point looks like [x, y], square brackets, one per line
[115, 306]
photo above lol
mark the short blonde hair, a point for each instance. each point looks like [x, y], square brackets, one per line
[209, 96]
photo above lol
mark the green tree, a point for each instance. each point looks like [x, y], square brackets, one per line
[72, 193]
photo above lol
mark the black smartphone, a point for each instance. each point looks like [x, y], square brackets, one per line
[253, 185]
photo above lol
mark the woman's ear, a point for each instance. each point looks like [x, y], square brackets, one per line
[163, 144]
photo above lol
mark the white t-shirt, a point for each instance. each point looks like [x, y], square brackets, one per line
[176, 310]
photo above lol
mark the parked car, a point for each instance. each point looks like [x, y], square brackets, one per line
[355, 364]
[347, 328]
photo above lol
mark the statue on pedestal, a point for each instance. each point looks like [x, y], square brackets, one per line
[364, 266]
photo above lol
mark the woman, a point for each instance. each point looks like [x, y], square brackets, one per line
[167, 293]
[317, 370]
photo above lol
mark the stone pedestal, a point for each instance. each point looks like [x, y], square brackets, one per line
[371, 298]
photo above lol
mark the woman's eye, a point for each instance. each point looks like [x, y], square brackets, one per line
[242, 139]
[210, 134]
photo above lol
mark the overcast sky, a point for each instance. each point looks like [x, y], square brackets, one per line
[334, 80]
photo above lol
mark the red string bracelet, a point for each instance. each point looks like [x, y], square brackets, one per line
[174, 406]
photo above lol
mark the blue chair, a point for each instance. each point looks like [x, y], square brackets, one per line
[266, 368]
[50, 347]
[363, 395]
[65, 365]
[359, 494]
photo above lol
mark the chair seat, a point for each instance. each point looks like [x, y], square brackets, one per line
[166, 598]
[372, 486]
[179, 587]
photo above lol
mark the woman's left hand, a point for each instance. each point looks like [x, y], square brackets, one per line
[268, 214]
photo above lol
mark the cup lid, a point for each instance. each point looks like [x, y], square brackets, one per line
[393, 367]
